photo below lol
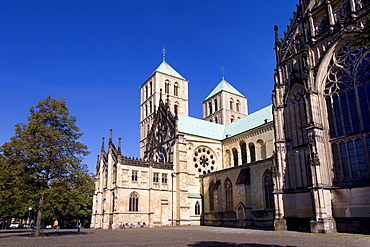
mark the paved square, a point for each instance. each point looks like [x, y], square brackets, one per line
[197, 236]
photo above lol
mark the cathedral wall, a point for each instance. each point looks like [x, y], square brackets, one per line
[178, 96]
[247, 205]
[351, 209]
[260, 139]
[232, 112]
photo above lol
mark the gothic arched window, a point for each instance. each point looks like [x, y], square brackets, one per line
[231, 104]
[296, 135]
[134, 202]
[197, 208]
[216, 106]
[211, 192]
[176, 89]
[235, 156]
[210, 107]
[114, 173]
[228, 159]
[252, 152]
[268, 189]
[229, 194]
[176, 109]
[113, 202]
[167, 87]
[105, 171]
[262, 148]
[237, 105]
[243, 148]
[347, 93]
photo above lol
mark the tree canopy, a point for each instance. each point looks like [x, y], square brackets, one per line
[40, 167]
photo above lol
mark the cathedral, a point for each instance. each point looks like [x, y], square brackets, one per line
[302, 163]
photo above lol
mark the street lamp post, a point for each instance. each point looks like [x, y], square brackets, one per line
[29, 213]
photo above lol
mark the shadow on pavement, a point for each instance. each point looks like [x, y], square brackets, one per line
[64, 233]
[219, 244]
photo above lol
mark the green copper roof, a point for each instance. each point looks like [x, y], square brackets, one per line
[224, 86]
[165, 68]
[202, 128]
[249, 122]
[194, 195]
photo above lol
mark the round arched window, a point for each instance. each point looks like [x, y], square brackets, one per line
[204, 160]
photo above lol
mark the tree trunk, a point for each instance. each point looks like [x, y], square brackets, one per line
[39, 215]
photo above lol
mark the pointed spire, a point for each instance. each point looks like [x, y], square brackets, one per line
[102, 145]
[277, 38]
[277, 43]
[110, 136]
[164, 54]
[119, 145]
[97, 165]
[98, 160]
[223, 73]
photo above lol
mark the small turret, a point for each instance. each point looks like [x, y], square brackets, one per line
[110, 136]
[277, 43]
[102, 145]
[119, 146]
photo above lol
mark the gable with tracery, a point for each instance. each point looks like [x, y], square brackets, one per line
[161, 137]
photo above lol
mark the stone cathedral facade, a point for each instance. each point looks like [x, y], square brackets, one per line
[302, 163]
[180, 157]
[321, 113]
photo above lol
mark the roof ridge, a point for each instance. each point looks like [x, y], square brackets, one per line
[165, 68]
[224, 85]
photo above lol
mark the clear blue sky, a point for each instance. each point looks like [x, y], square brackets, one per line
[97, 53]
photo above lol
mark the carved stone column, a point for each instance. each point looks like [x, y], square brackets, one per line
[322, 220]
[280, 149]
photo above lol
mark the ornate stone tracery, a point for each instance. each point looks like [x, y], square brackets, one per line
[348, 66]
[321, 111]
[204, 160]
[161, 138]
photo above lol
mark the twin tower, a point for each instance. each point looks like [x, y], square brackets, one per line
[223, 105]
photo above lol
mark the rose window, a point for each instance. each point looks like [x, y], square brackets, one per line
[204, 160]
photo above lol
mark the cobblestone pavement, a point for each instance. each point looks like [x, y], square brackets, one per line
[196, 236]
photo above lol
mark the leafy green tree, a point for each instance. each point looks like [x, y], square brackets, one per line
[72, 201]
[363, 39]
[13, 195]
[44, 159]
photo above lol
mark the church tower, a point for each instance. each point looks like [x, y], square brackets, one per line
[224, 104]
[167, 84]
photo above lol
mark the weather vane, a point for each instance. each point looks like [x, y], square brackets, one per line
[223, 73]
[164, 54]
